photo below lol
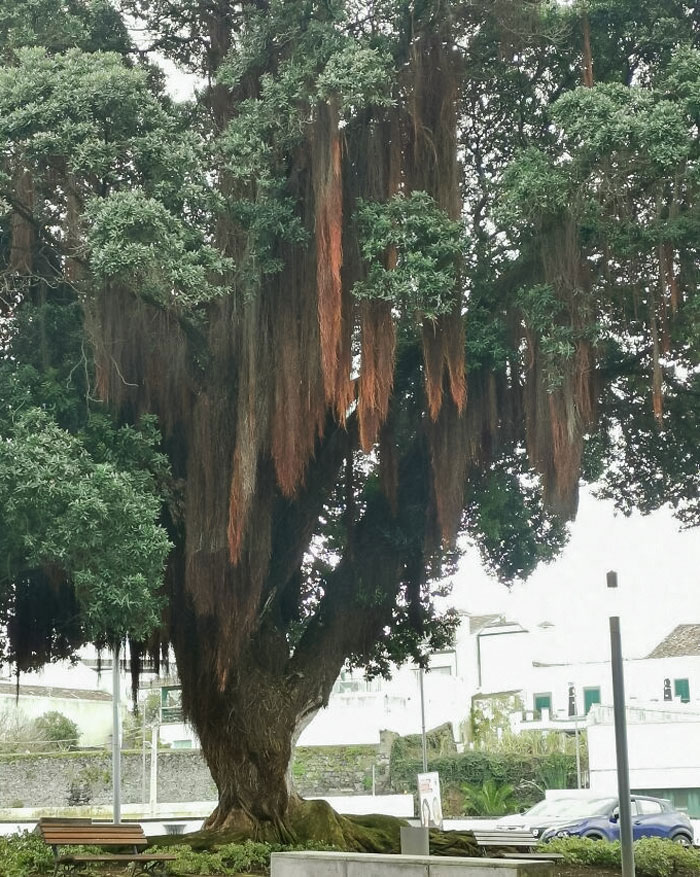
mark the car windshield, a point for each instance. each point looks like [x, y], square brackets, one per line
[563, 807]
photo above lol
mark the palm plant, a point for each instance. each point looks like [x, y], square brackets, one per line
[491, 799]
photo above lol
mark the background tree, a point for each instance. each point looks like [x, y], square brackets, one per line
[281, 271]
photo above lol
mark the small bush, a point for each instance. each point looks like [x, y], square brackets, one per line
[22, 855]
[227, 859]
[56, 731]
[653, 856]
[585, 851]
[659, 857]
[220, 860]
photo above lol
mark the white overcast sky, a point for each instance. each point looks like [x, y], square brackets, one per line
[658, 567]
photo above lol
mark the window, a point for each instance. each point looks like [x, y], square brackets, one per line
[590, 696]
[681, 688]
[542, 702]
[645, 807]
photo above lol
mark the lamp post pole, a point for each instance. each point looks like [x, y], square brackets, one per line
[116, 753]
[623, 774]
[422, 721]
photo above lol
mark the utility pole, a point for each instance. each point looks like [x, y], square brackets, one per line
[143, 755]
[573, 712]
[154, 769]
[116, 751]
[623, 773]
[422, 721]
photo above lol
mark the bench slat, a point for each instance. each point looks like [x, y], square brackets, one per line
[58, 833]
[119, 857]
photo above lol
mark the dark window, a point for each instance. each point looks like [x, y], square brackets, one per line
[681, 688]
[590, 696]
[542, 702]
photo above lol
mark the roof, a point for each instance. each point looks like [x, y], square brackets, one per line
[683, 640]
[477, 622]
[45, 691]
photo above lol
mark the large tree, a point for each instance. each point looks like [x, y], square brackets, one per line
[399, 269]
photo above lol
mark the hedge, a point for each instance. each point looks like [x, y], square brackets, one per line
[528, 774]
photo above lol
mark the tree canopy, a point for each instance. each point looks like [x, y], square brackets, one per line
[397, 272]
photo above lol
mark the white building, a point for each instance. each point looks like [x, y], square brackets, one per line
[74, 690]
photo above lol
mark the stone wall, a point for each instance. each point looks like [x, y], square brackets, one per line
[84, 778]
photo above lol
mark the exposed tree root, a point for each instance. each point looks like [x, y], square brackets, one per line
[316, 823]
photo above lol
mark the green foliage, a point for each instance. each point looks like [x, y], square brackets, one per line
[24, 855]
[57, 105]
[221, 859]
[227, 859]
[585, 851]
[525, 773]
[428, 245]
[491, 799]
[534, 187]
[56, 730]
[134, 722]
[137, 240]
[653, 856]
[508, 521]
[59, 503]
[89, 25]
[357, 76]
[489, 718]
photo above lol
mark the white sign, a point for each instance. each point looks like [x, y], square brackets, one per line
[429, 800]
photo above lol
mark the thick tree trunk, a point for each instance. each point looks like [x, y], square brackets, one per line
[248, 751]
[246, 727]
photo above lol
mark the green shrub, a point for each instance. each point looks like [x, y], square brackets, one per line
[528, 774]
[653, 856]
[659, 857]
[491, 799]
[22, 855]
[55, 731]
[227, 859]
[585, 851]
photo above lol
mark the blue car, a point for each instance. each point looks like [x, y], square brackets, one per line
[599, 818]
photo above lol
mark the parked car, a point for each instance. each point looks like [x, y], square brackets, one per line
[547, 813]
[599, 818]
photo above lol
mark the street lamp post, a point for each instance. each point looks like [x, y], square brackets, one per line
[116, 753]
[422, 721]
[623, 776]
[573, 713]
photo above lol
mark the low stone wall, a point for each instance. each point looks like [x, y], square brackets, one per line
[85, 778]
[336, 770]
[361, 864]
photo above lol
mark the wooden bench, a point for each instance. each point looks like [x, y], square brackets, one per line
[503, 838]
[79, 832]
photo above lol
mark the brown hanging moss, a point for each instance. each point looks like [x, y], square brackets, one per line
[22, 231]
[379, 182]
[560, 395]
[674, 289]
[388, 465]
[253, 417]
[561, 482]
[377, 371]
[447, 438]
[657, 376]
[328, 193]
[432, 166]
[299, 407]
[587, 52]
[74, 207]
